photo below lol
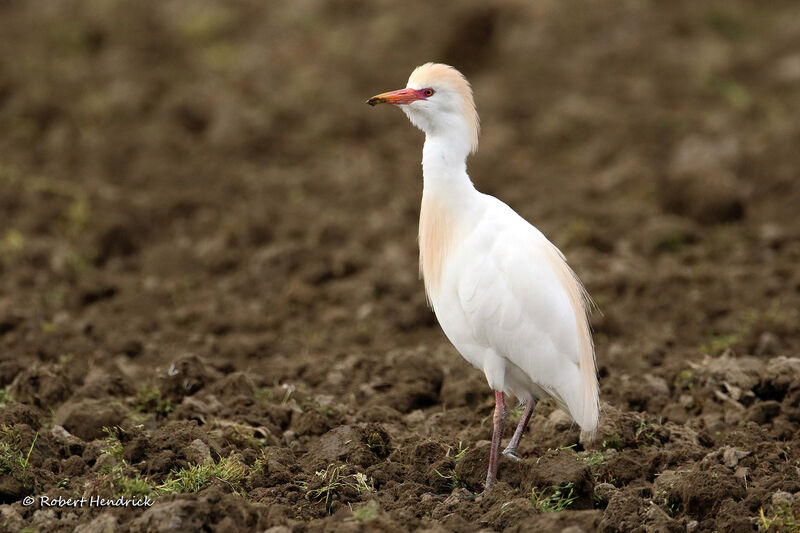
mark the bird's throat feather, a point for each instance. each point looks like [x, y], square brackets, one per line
[436, 235]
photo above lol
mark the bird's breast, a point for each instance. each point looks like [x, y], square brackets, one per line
[438, 234]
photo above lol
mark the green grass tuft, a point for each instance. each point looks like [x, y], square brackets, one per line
[454, 480]
[782, 519]
[594, 458]
[196, 477]
[684, 379]
[149, 400]
[612, 440]
[334, 483]
[462, 451]
[123, 480]
[14, 455]
[113, 445]
[5, 396]
[554, 498]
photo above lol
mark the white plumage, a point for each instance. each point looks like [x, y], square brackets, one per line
[503, 294]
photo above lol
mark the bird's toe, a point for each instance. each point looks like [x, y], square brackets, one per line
[512, 454]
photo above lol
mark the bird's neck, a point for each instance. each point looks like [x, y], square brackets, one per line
[449, 200]
[444, 167]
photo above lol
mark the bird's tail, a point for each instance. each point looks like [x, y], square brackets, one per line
[588, 435]
[584, 404]
[587, 414]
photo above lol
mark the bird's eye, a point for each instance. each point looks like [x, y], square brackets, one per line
[428, 92]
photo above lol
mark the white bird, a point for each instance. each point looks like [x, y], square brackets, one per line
[503, 294]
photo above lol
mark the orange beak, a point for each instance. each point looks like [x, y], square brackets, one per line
[400, 97]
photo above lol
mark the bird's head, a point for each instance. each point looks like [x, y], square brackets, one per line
[438, 100]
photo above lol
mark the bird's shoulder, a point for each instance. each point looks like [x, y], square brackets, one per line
[506, 258]
[509, 234]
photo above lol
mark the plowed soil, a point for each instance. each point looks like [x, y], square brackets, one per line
[208, 268]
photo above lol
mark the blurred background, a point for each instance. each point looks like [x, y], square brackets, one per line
[203, 178]
[169, 164]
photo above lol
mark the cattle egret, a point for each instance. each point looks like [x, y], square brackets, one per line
[503, 294]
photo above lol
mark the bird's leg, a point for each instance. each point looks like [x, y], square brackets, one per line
[511, 449]
[497, 435]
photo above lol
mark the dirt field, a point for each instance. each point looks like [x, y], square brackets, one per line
[208, 267]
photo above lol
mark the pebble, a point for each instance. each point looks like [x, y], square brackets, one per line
[782, 497]
[732, 456]
[198, 452]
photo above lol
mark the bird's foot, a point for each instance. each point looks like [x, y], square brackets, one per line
[512, 454]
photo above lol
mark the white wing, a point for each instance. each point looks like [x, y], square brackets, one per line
[523, 301]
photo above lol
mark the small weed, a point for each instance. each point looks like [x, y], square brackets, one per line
[596, 458]
[283, 393]
[718, 343]
[120, 477]
[461, 451]
[242, 434]
[645, 432]
[149, 400]
[198, 476]
[113, 445]
[554, 498]
[783, 518]
[265, 395]
[362, 483]
[124, 481]
[684, 379]
[612, 440]
[599, 497]
[5, 396]
[287, 393]
[24, 463]
[670, 506]
[454, 480]
[13, 457]
[334, 482]
[376, 444]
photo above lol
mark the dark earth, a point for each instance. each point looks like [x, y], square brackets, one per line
[208, 267]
